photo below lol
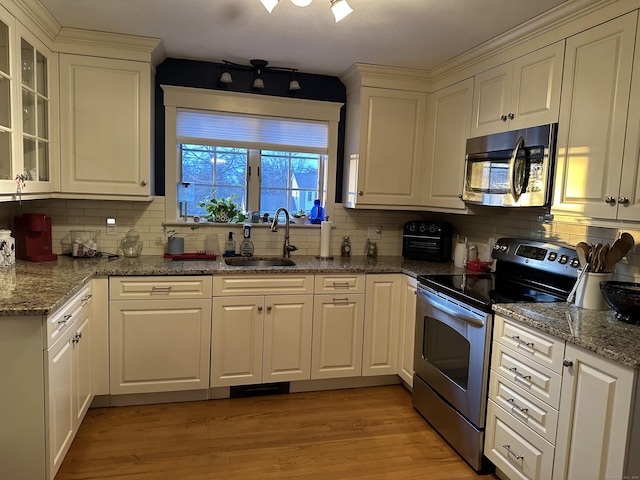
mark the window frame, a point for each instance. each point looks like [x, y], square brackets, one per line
[243, 103]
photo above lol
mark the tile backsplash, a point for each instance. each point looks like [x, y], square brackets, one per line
[482, 227]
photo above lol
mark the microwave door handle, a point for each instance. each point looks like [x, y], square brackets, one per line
[452, 309]
[513, 171]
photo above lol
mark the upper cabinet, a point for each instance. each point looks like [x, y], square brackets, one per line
[106, 128]
[28, 113]
[384, 139]
[447, 130]
[519, 94]
[593, 120]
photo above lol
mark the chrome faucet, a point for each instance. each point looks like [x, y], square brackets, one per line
[287, 248]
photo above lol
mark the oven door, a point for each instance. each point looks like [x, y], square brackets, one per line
[452, 351]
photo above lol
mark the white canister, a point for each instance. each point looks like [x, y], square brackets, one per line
[7, 248]
[588, 294]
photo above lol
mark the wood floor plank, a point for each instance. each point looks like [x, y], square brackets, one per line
[366, 433]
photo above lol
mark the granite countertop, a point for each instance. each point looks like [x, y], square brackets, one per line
[599, 332]
[28, 288]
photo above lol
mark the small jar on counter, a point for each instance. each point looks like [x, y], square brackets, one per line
[7, 249]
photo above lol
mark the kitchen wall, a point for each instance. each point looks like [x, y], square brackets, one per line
[482, 227]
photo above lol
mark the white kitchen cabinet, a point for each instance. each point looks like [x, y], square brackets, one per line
[29, 112]
[447, 129]
[381, 324]
[106, 128]
[593, 118]
[160, 331]
[519, 94]
[596, 419]
[261, 329]
[407, 329]
[384, 141]
[338, 322]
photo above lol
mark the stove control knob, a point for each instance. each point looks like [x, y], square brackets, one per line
[423, 228]
[502, 248]
[563, 259]
[575, 263]
[433, 228]
[412, 227]
[552, 256]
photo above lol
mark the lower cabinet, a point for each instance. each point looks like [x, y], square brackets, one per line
[557, 411]
[381, 322]
[407, 329]
[160, 330]
[338, 323]
[261, 329]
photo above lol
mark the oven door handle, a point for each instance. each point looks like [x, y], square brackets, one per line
[452, 309]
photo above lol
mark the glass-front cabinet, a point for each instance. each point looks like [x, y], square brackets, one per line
[28, 81]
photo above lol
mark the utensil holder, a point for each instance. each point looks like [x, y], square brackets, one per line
[588, 295]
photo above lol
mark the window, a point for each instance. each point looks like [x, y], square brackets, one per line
[269, 152]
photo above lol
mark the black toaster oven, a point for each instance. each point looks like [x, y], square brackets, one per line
[427, 240]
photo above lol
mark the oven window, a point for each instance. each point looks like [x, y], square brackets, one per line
[447, 350]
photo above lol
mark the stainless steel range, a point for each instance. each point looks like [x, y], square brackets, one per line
[454, 323]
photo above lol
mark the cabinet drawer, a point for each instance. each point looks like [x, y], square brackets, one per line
[156, 288]
[531, 343]
[530, 376]
[515, 449]
[262, 285]
[339, 283]
[524, 407]
[64, 317]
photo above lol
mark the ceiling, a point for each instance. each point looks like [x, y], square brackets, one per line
[401, 33]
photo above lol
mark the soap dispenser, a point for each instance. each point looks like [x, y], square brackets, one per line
[246, 247]
[230, 246]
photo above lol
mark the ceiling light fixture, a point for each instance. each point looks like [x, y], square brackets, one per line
[257, 81]
[340, 8]
[226, 76]
[258, 67]
[293, 84]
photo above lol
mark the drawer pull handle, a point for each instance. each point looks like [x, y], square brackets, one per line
[507, 447]
[85, 299]
[160, 289]
[340, 284]
[520, 376]
[63, 322]
[515, 406]
[340, 300]
[521, 342]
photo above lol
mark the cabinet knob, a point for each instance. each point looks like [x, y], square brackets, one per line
[460, 196]
[511, 116]
[623, 200]
[260, 308]
[610, 200]
[269, 308]
[143, 183]
[567, 363]
[503, 118]
[361, 193]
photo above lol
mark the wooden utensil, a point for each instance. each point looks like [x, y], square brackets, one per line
[583, 250]
[618, 250]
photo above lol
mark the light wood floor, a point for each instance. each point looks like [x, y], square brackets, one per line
[366, 433]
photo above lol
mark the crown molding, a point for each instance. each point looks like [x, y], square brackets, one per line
[366, 75]
[32, 14]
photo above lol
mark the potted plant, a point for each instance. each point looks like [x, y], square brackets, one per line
[300, 216]
[175, 244]
[220, 209]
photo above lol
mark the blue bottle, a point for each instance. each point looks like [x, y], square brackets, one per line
[317, 213]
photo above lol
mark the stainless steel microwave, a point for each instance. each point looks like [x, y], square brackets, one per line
[511, 169]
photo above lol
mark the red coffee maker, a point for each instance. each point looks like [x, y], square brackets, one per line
[33, 237]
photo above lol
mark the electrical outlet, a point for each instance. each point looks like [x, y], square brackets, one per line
[112, 229]
[374, 232]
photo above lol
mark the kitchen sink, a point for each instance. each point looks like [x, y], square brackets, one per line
[259, 262]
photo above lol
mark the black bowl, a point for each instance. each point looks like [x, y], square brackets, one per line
[624, 298]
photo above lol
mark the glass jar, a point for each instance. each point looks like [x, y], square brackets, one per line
[131, 244]
[7, 248]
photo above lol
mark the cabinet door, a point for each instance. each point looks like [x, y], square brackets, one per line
[287, 338]
[105, 120]
[236, 341]
[39, 114]
[594, 417]
[159, 345]
[83, 393]
[535, 93]
[491, 97]
[338, 322]
[448, 127]
[60, 412]
[9, 141]
[381, 321]
[593, 115]
[390, 157]
[407, 329]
